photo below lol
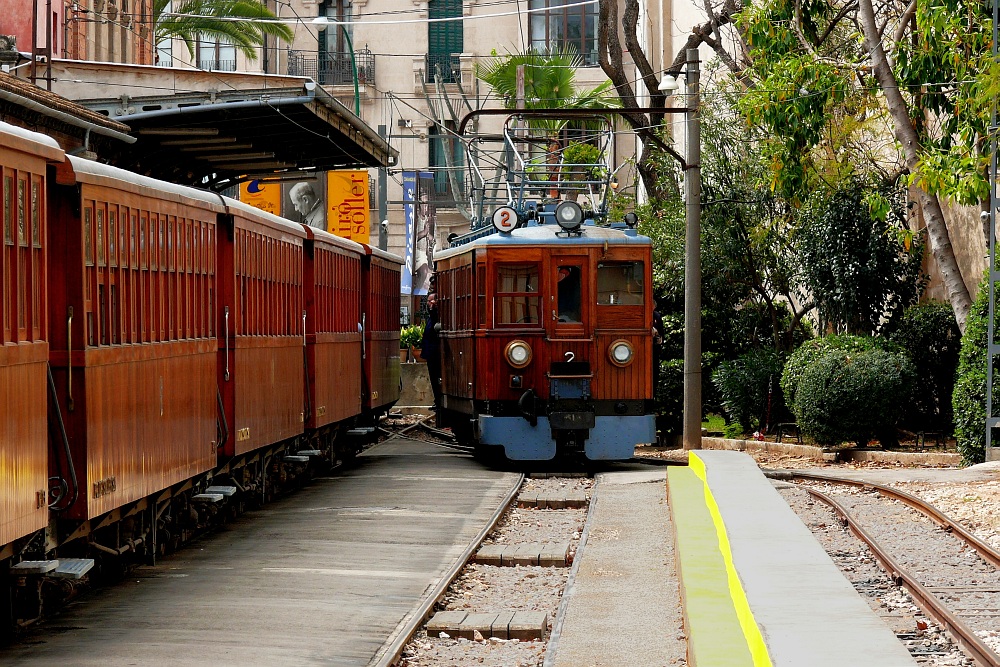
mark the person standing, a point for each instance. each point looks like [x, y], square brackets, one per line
[430, 349]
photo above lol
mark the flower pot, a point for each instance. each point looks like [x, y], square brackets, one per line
[404, 355]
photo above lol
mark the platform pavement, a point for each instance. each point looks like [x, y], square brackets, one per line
[325, 576]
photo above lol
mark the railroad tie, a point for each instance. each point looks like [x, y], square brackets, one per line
[508, 555]
[520, 625]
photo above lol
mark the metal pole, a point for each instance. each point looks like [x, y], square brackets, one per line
[692, 260]
[383, 199]
[354, 70]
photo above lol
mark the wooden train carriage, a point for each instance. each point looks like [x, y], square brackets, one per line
[132, 276]
[332, 288]
[546, 341]
[262, 345]
[24, 346]
[380, 322]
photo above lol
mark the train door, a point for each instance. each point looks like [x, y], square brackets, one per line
[568, 300]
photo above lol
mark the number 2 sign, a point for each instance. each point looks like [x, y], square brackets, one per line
[505, 219]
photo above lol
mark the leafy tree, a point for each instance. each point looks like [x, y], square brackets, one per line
[193, 20]
[857, 264]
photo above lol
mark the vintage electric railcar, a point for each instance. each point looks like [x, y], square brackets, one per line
[546, 340]
[203, 355]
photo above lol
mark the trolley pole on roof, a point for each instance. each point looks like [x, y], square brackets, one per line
[692, 259]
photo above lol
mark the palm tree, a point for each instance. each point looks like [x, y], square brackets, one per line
[195, 20]
[549, 83]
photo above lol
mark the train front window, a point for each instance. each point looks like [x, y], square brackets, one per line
[517, 294]
[568, 289]
[620, 284]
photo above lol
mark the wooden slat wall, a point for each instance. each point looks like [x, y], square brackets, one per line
[151, 421]
[635, 381]
[336, 378]
[23, 441]
[270, 376]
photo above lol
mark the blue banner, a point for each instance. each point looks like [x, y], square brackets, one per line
[409, 197]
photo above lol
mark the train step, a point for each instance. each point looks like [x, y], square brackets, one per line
[73, 568]
[226, 491]
[310, 452]
[207, 498]
[361, 432]
[34, 567]
[295, 458]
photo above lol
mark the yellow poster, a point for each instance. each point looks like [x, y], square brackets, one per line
[265, 196]
[347, 201]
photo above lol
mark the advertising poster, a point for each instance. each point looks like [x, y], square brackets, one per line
[304, 202]
[423, 237]
[409, 197]
[347, 198]
[265, 196]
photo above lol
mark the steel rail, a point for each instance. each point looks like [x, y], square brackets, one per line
[967, 640]
[988, 553]
[391, 652]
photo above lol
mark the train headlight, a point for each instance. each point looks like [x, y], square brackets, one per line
[621, 353]
[569, 215]
[518, 354]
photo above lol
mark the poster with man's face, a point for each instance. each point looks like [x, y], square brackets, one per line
[423, 233]
[305, 201]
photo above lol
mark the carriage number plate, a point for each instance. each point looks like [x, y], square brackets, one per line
[571, 420]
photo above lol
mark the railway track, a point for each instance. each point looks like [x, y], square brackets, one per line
[952, 575]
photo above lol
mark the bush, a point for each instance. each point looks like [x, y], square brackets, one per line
[748, 388]
[968, 399]
[669, 397]
[852, 396]
[930, 337]
[812, 350]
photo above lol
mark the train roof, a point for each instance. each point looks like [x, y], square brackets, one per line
[334, 240]
[39, 143]
[376, 252]
[252, 212]
[535, 235]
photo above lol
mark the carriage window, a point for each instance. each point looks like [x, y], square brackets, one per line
[620, 284]
[36, 234]
[22, 204]
[8, 210]
[88, 236]
[568, 288]
[517, 294]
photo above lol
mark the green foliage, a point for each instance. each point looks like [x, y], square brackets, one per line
[192, 20]
[930, 337]
[857, 268]
[411, 336]
[669, 397]
[969, 395]
[748, 388]
[852, 396]
[812, 350]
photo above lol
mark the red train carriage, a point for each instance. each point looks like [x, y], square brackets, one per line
[546, 341]
[333, 331]
[132, 276]
[261, 311]
[380, 322]
[24, 343]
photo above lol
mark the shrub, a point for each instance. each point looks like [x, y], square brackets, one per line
[968, 399]
[930, 337]
[748, 388]
[852, 396]
[669, 397]
[807, 354]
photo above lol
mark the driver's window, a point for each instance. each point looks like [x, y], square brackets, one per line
[568, 292]
[517, 294]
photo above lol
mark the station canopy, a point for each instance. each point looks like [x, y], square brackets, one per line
[216, 139]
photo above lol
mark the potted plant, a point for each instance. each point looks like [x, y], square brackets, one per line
[409, 340]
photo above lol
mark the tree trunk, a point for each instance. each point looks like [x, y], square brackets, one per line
[906, 135]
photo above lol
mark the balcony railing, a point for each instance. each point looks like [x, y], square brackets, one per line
[449, 65]
[212, 65]
[334, 69]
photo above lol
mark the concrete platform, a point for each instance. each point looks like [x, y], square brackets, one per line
[758, 588]
[621, 608]
[326, 576]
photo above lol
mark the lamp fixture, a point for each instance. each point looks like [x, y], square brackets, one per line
[668, 85]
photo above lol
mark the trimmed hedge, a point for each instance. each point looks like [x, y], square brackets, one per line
[968, 399]
[847, 388]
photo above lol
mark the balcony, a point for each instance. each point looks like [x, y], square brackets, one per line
[213, 65]
[333, 69]
[449, 65]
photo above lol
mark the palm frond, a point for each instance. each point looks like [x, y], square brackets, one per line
[193, 20]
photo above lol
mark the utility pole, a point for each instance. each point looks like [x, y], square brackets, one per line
[383, 200]
[692, 259]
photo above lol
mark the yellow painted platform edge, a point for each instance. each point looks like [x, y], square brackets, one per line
[751, 631]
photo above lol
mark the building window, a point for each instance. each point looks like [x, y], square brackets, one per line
[443, 140]
[553, 26]
[216, 55]
[445, 41]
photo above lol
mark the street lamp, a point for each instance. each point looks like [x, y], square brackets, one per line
[692, 249]
[321, 23]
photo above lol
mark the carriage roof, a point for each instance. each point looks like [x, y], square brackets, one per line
[549, 235]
